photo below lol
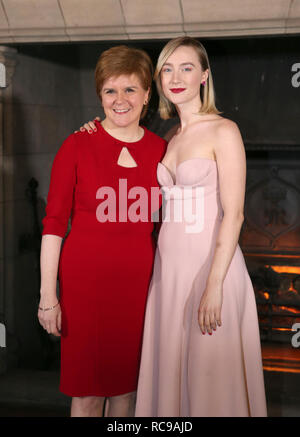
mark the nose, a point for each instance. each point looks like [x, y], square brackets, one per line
[175, 77]
[120, 97]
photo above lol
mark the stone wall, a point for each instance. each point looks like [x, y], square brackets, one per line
[44, 108]
[80, 20]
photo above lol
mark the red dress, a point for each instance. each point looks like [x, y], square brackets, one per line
[105, 267]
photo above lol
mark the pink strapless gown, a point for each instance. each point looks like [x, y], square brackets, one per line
[183, 372]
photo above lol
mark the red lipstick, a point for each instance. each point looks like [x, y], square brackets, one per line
[177, 90]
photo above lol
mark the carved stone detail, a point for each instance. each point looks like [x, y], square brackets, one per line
[272, 211]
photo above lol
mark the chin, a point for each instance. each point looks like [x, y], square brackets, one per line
[177, 98]
[177, 101]
[123, 123]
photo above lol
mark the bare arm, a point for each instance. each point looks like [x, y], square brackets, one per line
[231, 161]
[55, 223]
[50, 252]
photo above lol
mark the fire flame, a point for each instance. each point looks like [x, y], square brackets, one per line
[291, 310]
[285, 269]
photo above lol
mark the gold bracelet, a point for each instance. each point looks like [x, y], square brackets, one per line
[49, 309]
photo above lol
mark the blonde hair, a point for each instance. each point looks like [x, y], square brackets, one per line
[207, 93]
[120, 60]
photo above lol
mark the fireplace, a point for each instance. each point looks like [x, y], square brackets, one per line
[270, 239]
[278, 300]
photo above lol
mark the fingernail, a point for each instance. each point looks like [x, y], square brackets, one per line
[90, 131]
[95, 130]
[210, 333]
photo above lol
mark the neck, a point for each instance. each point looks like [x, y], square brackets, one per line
[128, 134]
[189, 112]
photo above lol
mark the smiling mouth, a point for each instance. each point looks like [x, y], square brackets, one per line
[121, 111]
[177, 90]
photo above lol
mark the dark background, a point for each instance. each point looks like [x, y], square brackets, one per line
[54, 94]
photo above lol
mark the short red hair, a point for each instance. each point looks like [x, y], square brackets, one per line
[123, 60]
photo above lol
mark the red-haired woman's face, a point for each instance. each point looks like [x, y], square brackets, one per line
[123, 98]
[181, 76]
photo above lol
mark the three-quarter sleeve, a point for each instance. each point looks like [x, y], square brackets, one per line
[61, 190]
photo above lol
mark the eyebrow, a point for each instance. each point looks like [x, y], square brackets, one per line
[184, 63]
[129, 86]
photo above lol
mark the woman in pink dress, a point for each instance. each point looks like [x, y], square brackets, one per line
[201, 352]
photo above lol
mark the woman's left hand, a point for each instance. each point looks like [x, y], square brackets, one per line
[209, 313]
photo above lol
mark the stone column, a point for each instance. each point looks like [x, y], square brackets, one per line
[8, 57]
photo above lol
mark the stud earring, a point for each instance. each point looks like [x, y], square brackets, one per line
[203, 83]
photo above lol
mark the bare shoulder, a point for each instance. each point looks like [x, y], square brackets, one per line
[227, 127]
[228, 136]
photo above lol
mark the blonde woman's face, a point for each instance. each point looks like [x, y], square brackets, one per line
[181, 76]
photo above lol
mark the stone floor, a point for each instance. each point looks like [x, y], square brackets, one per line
[25, 393]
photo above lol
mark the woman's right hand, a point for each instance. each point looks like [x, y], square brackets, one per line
[89, 126]
[51, 319]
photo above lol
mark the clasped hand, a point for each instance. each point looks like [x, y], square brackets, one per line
[209, 313]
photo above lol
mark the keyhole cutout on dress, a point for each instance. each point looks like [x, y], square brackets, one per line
[125, 159]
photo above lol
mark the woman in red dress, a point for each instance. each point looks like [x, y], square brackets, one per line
[106, 261]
